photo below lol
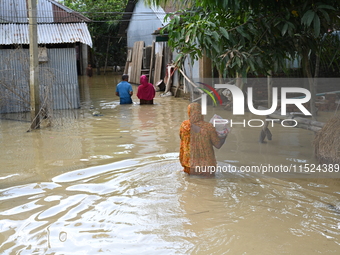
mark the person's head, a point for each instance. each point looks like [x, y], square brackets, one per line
[125, 77]
[194, 112]
[143, 79]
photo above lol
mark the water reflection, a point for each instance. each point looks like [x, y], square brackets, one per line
[145, 129]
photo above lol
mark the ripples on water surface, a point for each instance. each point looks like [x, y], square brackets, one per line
[147, 206]
[112, 184]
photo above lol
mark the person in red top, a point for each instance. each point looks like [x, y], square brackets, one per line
[146, 91]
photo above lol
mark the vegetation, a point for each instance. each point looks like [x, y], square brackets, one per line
[257, 36]
[108, 47]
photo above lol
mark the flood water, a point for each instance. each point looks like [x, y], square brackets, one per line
[112, 184]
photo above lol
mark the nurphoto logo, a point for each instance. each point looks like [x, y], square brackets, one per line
[238, 105]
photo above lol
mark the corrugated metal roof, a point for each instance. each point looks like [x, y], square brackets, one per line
[47, 33]
[48, 11]
[13, 11]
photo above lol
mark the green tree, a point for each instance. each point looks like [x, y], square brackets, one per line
[254, 35]
[108, 48]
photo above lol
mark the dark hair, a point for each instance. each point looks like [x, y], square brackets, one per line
[125, 77]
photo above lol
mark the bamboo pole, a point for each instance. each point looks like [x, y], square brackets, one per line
[186, 77]
[308, 127]
[34, 64]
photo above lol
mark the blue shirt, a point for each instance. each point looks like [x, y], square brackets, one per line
[124, 88]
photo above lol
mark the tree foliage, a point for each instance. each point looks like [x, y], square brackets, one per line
[239, 43]
[251, 35]
[98, 10]
[105, 16]
[242, 36]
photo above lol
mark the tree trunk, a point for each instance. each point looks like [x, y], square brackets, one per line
[308, 71]
[98, 66]
[220, 76]
[239, 81]
[317, 69]
[265, 130]
[107, 54]
[270, 89]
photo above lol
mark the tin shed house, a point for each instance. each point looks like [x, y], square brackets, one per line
[148, 51]
[138, 24]
[63, 41]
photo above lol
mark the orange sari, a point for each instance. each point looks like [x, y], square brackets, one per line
[197, 140]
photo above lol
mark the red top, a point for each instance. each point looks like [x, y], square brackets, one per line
[146, 90]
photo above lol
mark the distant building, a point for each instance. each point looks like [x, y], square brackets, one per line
[148, 51]
[140, 21]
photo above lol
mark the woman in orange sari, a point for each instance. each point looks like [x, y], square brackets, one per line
[197, 140]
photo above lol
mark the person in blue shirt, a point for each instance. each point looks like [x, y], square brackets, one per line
[124, 90]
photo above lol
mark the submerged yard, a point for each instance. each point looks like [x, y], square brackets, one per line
[111, 183]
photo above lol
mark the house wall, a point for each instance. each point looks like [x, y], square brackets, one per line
[57, 78]
[142, 24]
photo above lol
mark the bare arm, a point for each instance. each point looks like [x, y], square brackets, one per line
[221, 142]
[131, 90]
[216, 140]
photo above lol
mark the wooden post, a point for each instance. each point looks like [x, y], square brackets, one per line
[152, 57]
[34, 64]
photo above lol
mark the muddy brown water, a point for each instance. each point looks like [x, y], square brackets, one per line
[112, 184]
